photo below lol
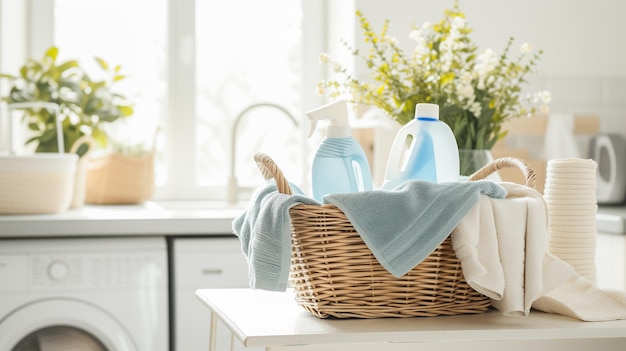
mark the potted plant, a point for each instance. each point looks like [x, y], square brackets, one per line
[85, 104]
[125, 175]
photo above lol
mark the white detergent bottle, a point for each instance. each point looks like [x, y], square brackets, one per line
[340, 164]
[424, 149]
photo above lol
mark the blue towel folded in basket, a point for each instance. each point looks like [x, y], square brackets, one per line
[401, 226]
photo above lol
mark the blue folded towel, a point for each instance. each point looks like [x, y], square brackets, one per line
[405, 225]
[264, 230]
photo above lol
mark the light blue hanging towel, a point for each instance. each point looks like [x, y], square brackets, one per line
[264, 230]
[405, 225]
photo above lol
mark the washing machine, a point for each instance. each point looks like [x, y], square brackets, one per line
[87, 294]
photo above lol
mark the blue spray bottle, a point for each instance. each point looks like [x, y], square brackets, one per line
[340, 164]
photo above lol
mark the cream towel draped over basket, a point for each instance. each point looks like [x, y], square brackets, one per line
[509, 248]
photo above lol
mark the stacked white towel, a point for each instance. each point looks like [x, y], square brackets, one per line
[570, 194]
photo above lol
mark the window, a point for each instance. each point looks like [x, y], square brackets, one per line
[194, 66]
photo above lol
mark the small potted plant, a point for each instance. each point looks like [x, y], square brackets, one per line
[125, 175]
[86, 105]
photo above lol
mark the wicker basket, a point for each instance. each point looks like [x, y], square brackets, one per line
[37, 183]
[334, 273]
[120, 179]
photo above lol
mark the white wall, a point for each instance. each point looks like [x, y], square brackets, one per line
[584, 65]
[578, 36]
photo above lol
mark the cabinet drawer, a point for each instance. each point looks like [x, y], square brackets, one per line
[209, 263]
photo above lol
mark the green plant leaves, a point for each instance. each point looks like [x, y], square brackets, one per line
[85, 104]
[52, 53]
[102, 63]
[99, 136]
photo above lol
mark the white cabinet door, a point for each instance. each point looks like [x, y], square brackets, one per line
[203, 263]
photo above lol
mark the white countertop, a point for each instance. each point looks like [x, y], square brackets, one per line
[149, 218]
[611, 219]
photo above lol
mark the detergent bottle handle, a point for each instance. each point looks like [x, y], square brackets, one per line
[393, 163]
[367, 180]
[362, 179]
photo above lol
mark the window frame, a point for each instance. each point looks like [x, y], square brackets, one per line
[178, 128]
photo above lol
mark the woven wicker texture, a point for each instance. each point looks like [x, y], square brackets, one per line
[28, 193]
[120, 179]
[334, 274]
[38, 183]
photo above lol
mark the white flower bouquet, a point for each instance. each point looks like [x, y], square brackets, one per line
[476, 91]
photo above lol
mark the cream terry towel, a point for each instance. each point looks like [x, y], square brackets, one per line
[503, 248]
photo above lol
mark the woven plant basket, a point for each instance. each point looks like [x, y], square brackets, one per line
[37, 183]
[333, 272]
[34, 184]
[120, 179]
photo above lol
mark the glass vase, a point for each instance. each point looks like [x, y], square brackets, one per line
[471, 160]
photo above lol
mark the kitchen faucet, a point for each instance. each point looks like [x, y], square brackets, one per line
[233, 187]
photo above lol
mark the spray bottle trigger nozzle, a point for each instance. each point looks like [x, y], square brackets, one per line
[312, 127]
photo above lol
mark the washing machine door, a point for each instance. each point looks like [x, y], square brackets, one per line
[62, 324]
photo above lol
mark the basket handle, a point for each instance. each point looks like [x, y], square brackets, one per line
[507, 162]
[83, 140]
[269, 169]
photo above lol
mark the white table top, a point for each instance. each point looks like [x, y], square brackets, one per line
[262, 318]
